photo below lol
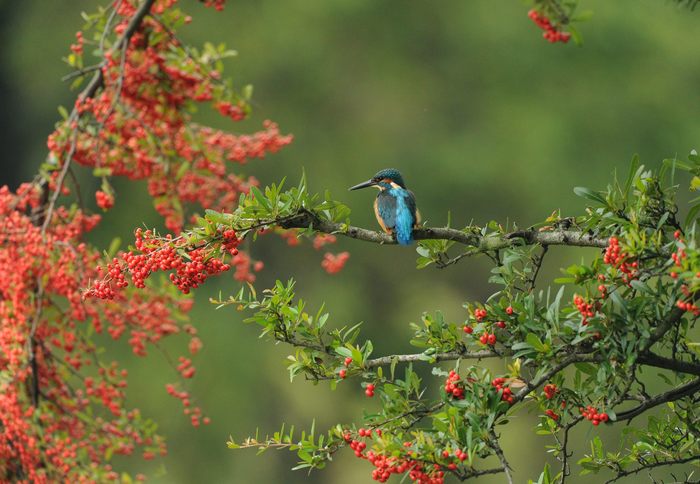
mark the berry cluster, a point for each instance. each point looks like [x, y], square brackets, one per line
[195, 413]
[454, 387]
[217, 4]
[614, 257]
[322, 239]
[688, 305]
[160, 80]
[77, 48]
[138, 124]
[488, 338]
[191, 268]
[551, 33]
[506, 392]
[104, 200]
[385, 466]
[550, 390]
[334, 263]
[235, 112]
[62, 445]
[459, 454]
[369, 390]
[231, 242]
[592, 414]
[343, 372]
[612, 252]
[551, 414]
[585, 308]
[602, 288]
[678, 257]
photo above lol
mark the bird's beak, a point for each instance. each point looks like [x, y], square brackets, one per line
[368, 183]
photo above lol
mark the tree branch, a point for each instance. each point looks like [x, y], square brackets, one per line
[501, 456]
[666, 324]
[569, 360]
[657, 361]
[652, 465]
[451, 355]
[305, 218]
[669, 396]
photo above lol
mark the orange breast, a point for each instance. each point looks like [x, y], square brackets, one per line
[379, 219]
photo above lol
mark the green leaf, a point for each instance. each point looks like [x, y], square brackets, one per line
[260, 198]
[590, 195]
[641, 286]
[534, 341]
[343, 351]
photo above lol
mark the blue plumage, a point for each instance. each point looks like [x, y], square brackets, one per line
[395, 206]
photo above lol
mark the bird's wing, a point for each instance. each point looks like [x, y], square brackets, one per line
[385, 210]
[411, 202]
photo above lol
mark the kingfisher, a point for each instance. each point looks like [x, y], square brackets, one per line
[395, 205]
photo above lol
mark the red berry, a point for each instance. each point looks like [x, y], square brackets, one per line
[501, 324]
[342, 373]
[348, 360]
[509, 310]
[468, 329]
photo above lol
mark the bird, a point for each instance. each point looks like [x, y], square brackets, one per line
[395, 205]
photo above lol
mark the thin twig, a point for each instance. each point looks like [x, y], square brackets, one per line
[652, 465]
[537, 262]
[501, 456]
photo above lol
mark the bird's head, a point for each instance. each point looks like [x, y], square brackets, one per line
[385, 178]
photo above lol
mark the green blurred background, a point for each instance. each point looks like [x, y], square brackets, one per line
[482, 116]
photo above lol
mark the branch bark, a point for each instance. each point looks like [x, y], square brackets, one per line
[652, 359]
[305, 219]
[448, 356]
[669, 396]
[652, 465]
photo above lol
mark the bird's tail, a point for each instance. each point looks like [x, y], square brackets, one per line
[404, 229]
